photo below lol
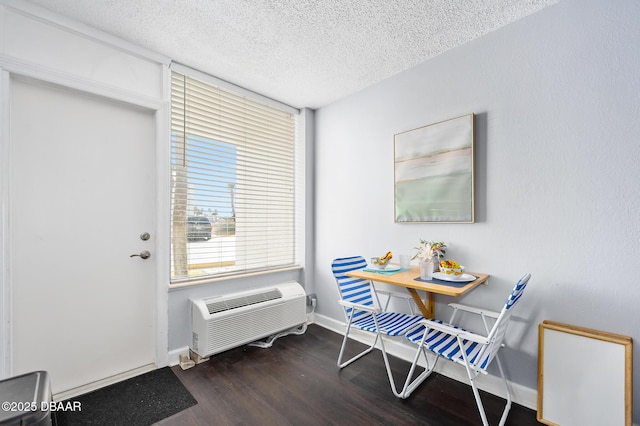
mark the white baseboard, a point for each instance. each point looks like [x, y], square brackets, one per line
[89, 387]
[520, 394]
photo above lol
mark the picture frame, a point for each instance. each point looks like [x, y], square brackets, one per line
[434, 172]
[585, 376]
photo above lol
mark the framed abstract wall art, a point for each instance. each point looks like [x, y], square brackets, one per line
[433, 172]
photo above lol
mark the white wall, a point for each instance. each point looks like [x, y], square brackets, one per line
[557, 181]
[35, 39]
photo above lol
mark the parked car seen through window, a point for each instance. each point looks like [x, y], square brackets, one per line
[198, 227]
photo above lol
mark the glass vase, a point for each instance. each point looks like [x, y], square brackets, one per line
[426, 269]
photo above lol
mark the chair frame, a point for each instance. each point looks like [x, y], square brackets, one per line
[490, 345]
[390, 295]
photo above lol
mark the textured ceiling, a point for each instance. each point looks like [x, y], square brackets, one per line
[305, 53]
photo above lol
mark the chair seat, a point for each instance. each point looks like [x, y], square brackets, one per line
[390, 323]
[447, 346]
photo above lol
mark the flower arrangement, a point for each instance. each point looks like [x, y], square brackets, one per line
[428, 249]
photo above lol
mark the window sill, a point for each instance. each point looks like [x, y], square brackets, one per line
[232, 276]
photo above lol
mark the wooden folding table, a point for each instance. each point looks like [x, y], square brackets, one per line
[407, 279]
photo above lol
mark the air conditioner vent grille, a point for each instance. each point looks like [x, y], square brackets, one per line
[238, 302]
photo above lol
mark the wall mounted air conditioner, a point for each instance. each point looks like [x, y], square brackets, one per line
[224, 322]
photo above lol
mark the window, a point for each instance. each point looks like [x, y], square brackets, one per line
[232, 182]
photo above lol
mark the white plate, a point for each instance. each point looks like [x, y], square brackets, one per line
[388, 268]
[461, 278]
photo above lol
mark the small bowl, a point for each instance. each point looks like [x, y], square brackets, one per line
[452, 271]
[376, 263]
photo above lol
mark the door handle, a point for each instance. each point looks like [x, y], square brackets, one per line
[143, 254]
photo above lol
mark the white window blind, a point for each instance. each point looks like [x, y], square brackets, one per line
[232, 162]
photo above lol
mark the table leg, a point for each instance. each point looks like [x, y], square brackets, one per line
[430, 302]
[428, 307]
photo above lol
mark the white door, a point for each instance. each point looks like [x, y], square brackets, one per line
[81, 193]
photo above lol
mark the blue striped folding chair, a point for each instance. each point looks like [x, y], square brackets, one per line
[474, 351]
[362, 310]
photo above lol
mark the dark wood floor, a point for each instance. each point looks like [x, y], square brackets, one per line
[297, 382]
